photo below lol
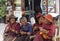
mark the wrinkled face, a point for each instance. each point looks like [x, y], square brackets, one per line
[12, 20]
[40, 20]
[46, 21]
[23, 21]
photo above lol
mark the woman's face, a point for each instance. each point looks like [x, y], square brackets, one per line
[23, 21]
[40, 20]
[46, 21]
[12, 20]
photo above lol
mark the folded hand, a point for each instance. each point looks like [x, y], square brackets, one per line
[23, 32]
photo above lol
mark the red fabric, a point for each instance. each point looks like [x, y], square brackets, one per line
[49, 27]
[38, 25]
[49, 17]
[51, 31]
[38, 15]
[15, 26]
[38, 37]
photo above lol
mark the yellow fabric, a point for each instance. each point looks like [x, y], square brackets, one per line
[44, 35]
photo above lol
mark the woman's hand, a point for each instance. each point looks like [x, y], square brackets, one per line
[22, 32]
[43, 30]
[28, 33]
[13, 31]
[35, 28]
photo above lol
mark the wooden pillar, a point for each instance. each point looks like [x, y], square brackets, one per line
[13, 6]
[23, 4]
[47, 6]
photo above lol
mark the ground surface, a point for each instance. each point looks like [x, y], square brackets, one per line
[2, 27]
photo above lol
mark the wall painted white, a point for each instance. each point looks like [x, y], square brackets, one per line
[18, 14]
[57, 9]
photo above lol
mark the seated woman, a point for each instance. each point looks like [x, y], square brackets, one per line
[47, 31]
[25, 30]
[39, 22]
[37, 26]
[12, 29]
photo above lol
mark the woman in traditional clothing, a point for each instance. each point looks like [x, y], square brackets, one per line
[12, 29]
[37, 26]
[47, 31]
[25, 30]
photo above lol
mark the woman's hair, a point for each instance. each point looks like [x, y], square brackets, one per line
[22, 18]
[36, 19]
[11, 18]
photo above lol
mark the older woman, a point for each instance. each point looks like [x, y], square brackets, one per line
[47, 31]
[25, 30]
[49, 27]
[37, 26]
[12, 28]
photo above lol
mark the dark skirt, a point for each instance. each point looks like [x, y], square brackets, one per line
[23, 38]
[8, 38]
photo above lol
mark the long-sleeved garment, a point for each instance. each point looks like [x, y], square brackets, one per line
[15, 27]
[50, 28]
[27, 28]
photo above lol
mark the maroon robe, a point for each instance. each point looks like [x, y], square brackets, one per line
[15, 26]
[51, 33]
